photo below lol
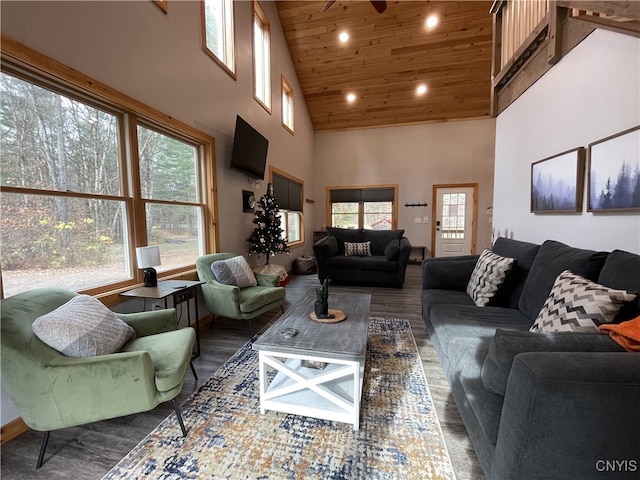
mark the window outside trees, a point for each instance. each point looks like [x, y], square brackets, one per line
[372, 208]
[67, 203]
[218, 39]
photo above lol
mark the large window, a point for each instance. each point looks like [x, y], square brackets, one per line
[373, 208]
[261, 57]
[288, 192]
[218, 39]
[76, 197]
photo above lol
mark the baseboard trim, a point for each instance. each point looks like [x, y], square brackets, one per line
[12, 429]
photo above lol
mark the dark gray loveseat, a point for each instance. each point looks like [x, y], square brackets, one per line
[537, 405]
[385, 267]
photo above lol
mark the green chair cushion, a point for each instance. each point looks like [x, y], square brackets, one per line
[253, 298]
[170, 353]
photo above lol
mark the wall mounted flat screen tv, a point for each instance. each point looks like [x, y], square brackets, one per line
[249, 150]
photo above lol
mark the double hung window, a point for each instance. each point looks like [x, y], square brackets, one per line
[287, 105]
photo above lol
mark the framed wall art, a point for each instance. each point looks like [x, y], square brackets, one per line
[614, 173]
[557, 183]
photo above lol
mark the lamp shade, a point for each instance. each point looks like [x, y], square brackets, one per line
[148, 256]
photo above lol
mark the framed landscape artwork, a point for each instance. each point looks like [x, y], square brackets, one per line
[614, 173]
[557, 183]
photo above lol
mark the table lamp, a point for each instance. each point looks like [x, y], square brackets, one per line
[149, 257]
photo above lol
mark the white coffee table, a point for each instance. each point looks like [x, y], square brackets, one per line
[332, 392]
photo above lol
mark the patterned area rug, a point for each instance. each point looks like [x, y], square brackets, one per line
[399, 434]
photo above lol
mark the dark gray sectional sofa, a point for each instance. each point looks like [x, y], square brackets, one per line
[562, 405]
[385, 267]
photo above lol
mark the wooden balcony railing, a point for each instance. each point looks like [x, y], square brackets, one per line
[532, 35]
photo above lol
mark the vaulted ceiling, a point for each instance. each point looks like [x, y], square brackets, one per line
[388, 55]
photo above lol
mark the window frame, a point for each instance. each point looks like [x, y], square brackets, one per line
[29, 65]
[287, 105]
[259, 16]
[230, 69]
[291, 178]
[361, 212]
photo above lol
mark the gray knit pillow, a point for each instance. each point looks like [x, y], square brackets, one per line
[487, 276]
[234, 271]
[83, 327]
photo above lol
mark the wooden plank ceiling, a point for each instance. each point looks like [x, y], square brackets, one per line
[387, 56]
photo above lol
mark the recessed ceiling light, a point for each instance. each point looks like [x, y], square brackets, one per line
[344, 37]
[432, 21]
[422, 89]
[351, 97]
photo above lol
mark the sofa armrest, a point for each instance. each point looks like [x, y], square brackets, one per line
[152, 322]
[322, 248]
[448, 273]
[566, 414]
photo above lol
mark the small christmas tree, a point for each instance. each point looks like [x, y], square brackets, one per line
[267, 236]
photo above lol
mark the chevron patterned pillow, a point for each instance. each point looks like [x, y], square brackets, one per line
[357, 249]
[487, 276]
[577, 304]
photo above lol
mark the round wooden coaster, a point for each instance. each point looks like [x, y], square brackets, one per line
[339, 316]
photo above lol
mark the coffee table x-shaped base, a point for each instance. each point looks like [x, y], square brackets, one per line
[329, 393]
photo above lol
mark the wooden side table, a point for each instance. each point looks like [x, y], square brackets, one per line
[180, 291]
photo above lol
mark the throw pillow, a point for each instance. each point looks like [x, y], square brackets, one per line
[392, 250]
[506, 344]
[357, 249]
[234, 271]
[83, 327]
[487, 276]
[577, 304]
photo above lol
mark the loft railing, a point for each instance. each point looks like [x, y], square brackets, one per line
[530, 32]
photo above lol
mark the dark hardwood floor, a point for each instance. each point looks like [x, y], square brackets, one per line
[89, 451]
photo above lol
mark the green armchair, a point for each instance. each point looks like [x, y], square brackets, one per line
[53, 391]
[238, 303]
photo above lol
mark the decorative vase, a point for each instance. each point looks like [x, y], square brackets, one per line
[321, 309]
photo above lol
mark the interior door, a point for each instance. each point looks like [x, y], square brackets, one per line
[455, 212]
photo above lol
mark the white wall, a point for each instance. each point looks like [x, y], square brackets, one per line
[592, 93]
[157, 59]
[415, 157]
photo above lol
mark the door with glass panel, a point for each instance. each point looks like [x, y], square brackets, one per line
[454, 226]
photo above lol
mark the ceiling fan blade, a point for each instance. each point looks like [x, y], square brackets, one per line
[379, 5]
[326, 5]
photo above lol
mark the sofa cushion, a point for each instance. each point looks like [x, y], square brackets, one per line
[345, 235]
[392, 250]
[168, 353]
[620, 271]
[380, 239]
[506, 344]
[332, 246]
[509, 293]
[487, 276]
[234, 271]
[82, 327]
[252, 299]
[458, 321]
[552, 259]
[376, 263]
[577, 304]
[357, 249]
[468, 355]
